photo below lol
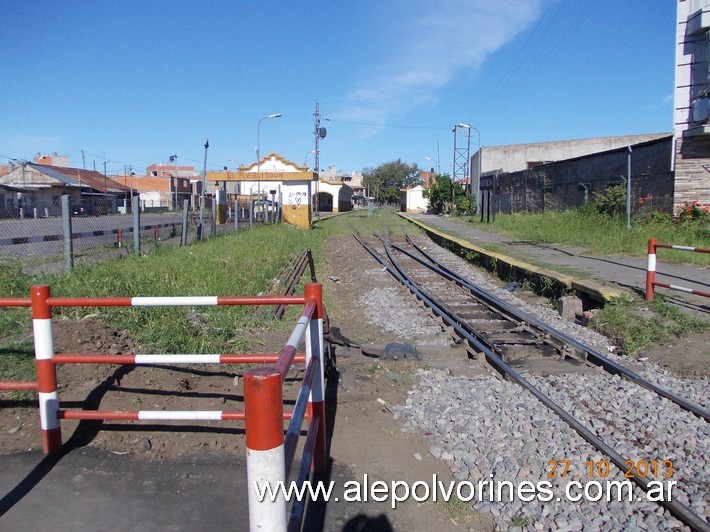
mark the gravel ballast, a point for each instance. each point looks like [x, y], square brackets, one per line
[493, 431]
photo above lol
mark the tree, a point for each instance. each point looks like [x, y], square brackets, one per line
[447, 199]
[383, 183]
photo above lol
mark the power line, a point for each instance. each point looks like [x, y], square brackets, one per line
[388, 125]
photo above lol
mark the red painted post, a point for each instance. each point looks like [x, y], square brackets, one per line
[316, 348]
[46, 370]
[266, 461]
[119, 238]
[651, 268]
[157, 233]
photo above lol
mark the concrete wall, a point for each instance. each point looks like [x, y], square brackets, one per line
[515, 157]
[566, 184]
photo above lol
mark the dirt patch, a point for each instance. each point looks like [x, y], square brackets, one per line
[685, 357]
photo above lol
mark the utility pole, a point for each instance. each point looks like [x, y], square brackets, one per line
[83, 159]
[628, 188]
[202, 191]
[320, 133]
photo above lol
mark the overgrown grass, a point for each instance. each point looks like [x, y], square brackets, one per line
[635, 325]
[234, 264]
[601, 234]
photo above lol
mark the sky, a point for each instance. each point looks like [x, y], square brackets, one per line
[132, 82]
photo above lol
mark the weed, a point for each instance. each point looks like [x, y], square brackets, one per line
[459, 511]
[519, 521]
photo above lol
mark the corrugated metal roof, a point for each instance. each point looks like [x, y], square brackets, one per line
[83, 178]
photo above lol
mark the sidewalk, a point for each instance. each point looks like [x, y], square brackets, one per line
[603, 277]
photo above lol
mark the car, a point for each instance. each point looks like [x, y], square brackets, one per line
[84, 209]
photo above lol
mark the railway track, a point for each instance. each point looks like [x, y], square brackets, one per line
[517, 345]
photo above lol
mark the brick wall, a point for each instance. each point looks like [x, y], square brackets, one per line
[692, 170]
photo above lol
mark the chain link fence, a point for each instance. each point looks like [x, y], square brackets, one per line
[48, 239]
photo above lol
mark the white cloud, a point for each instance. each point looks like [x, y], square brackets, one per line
[436, 41]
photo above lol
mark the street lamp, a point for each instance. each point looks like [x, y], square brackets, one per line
[258, 152]
[305, 159]
[438, 167]
[173, 159]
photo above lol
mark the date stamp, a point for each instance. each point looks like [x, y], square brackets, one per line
[655, 469]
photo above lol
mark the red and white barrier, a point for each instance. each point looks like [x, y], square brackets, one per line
[267, 460]
[316, 349]
[651, 270]
[46, 370]
[263, 404]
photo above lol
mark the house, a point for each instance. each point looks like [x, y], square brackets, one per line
[40, 186]
[273, 176]
[412, 199]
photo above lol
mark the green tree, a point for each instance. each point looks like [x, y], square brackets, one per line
[383, 183]
[445, 198]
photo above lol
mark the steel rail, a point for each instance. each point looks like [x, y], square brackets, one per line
[592, 355]
[679, 510]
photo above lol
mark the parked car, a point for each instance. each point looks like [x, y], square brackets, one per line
[84, 209]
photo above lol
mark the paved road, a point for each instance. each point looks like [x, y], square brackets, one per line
[628, 273]
[88, 489]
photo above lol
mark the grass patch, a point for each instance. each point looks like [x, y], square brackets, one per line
[635, 325]
[243, 263]
[458, 511]
[603, 235]
[17, 363]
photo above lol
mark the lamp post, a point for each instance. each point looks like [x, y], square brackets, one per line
[173, 159]
[305, 159]
[438, 166]
[258, 127]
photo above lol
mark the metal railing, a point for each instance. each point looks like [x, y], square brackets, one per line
[270, 453]
[651, 282]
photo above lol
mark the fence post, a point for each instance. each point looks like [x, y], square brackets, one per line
[46, 370]
[137, 224]
[651, 268]
[183, 234]
[66, 224]
[315, 348]
[236, 215]
[266, 460]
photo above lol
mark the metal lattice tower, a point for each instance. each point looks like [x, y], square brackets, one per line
[462, 149]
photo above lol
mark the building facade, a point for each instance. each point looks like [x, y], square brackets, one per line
[691, 132]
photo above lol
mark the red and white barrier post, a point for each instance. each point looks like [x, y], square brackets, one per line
[46, 370]
[316, 348]
[651, 269]
[266, 462]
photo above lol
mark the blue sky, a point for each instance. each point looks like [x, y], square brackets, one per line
[135, 81]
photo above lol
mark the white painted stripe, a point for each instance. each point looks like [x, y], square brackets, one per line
[173, 301]
[262, 467]
[167, 415]
[44, 341]
[651, 262]
[298, 331]
[48, 407]
[684, 248]
[177, 359]
[681, 288]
